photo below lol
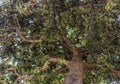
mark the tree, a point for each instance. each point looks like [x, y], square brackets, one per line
[77, 40]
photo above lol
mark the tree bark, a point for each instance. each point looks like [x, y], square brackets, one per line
[75, 66]
[75, 75]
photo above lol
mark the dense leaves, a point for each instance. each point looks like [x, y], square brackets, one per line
[33, 31]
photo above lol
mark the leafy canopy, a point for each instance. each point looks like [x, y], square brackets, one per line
[32, 31]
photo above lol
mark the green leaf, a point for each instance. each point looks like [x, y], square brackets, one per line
[83, 42]
[61, 61]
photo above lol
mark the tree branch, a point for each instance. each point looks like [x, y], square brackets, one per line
[19, 76]
[28, 77]
[6, 37]
[91, 66]
[117, 73]
[65, 46]
[45, 66]
[12, 69]
[29, 40]
[17, 28]
[23, 38]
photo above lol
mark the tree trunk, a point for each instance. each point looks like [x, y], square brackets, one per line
[75, 66]
[75, 75]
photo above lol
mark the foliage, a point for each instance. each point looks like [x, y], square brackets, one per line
[90, 25]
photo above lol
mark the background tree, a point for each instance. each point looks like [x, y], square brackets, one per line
[60, 41]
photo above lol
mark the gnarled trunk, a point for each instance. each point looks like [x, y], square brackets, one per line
[75, 75]
[75, 66]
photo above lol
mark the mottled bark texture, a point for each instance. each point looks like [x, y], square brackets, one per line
[75, 66]
[73, 79]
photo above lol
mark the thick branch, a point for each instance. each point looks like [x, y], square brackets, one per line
[45, 66]
[10, 69]
[29, 40]
[76, 55]
[91, 66]
[14, 70]
[65, 46]
[6, 37]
